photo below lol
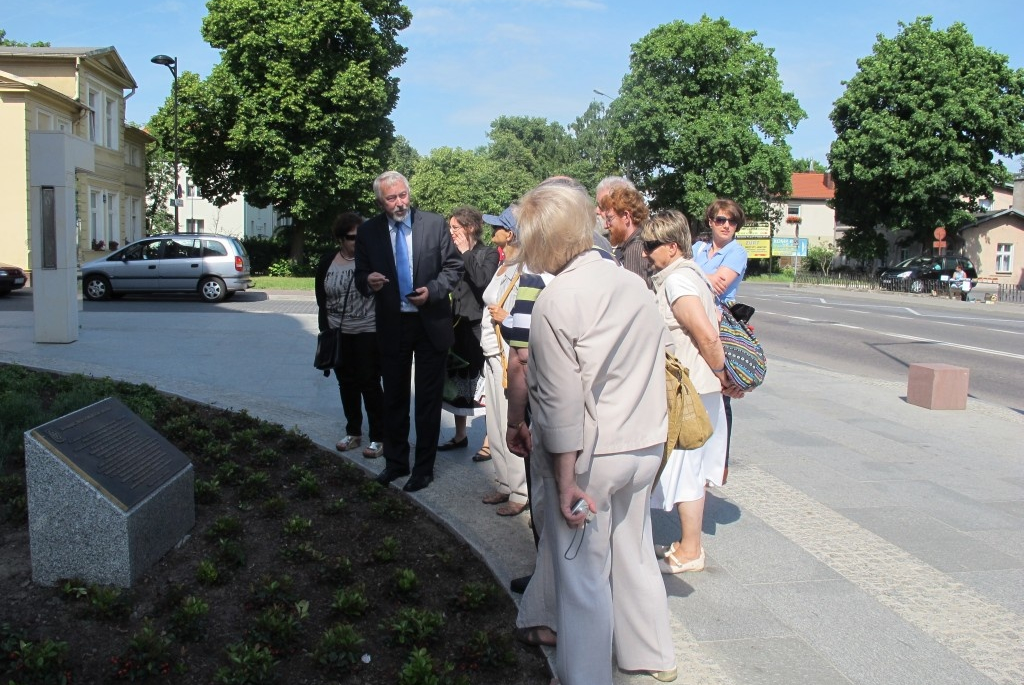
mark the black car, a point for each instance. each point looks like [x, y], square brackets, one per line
[921, 274]
[11, 278]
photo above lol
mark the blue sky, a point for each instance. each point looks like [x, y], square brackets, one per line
[470, 61]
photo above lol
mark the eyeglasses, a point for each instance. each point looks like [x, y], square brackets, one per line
[350, 236]
[652, 245]
[723, 220]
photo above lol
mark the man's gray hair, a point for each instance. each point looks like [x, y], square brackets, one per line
[609, 182]
[389, 178]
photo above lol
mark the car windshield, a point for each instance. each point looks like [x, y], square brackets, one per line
[911, 262]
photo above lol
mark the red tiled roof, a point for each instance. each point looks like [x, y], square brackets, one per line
[811, 186]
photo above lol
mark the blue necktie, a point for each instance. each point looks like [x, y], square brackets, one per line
[402, 263]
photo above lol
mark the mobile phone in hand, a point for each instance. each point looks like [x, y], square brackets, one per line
[412, 294]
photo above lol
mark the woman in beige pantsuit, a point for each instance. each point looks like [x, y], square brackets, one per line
[597, 394]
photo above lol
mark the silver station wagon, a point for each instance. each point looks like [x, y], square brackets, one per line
[215, 266]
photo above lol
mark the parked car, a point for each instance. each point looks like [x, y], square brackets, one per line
[215, 266]
[11, 278]
[921, 274]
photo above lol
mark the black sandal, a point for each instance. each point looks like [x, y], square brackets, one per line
[483, 454]
[453, 444]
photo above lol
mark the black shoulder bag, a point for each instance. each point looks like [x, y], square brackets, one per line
[328, 343]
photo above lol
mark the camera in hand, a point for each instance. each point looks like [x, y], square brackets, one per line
[581, 506]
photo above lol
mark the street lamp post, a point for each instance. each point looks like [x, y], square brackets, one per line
[604, 94]
[172, 64]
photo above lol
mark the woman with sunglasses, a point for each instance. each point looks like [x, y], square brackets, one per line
[724, 260]
[688, 310]
[341, 305]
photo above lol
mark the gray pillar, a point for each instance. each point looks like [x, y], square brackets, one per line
[54, 158]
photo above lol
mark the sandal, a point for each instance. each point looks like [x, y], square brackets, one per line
[483, 454]
[537, 636]
[495, 498]
[511, 509]
[671, 565]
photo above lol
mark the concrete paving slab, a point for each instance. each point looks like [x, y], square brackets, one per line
[834, 616]
[947, 505]
[774, 661]
[931, 540]
[1002, 586]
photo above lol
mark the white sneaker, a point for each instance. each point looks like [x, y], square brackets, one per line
[373, 450]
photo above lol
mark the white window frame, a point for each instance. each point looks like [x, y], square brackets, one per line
[45, 120]
[792, 210]
[113, 218]
[194, 225]
[133, 155]
[95, 228]
[1004, 258]
[134, 228]
[93, 99]
[110, 109]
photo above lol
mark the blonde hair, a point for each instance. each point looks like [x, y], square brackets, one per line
[669, 226]
[555, 225]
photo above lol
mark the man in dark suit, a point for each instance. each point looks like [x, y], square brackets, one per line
[405, 258]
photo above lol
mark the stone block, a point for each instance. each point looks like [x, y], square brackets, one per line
[107, 496]
[937, 386]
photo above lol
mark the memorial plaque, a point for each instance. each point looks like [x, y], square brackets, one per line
[114, 450]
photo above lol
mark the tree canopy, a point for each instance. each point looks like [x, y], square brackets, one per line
[702, 114]
[448, 178]
[7, 42]
[296, 112]
[919, 127]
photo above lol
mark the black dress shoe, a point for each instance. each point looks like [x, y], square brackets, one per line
[417, 483]
[454, 444]
[518, 585]
[388, 475]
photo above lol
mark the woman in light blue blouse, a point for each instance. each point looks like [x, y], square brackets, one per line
[724, 261]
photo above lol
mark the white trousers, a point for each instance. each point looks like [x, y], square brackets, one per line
[610, 593]
[509, 469]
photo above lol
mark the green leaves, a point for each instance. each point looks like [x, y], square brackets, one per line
[919, 127]
[296, 114]
[701, 115]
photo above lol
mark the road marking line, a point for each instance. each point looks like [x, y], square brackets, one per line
[982, 633]
[900, 336]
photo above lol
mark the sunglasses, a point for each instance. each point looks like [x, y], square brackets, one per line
[652, 245]
[723, 220]
[350, 236]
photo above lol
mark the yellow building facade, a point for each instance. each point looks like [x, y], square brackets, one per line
[81, 92]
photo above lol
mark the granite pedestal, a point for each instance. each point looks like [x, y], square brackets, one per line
[107, 496]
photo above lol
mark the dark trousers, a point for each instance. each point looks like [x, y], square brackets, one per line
[359, 384]
[396, 372]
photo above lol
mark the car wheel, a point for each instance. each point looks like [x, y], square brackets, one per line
[917, 286]
[212, 289]
[96, 288]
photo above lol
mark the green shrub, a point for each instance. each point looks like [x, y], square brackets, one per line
[148, 654]
[414, 626]
[188, 622]
[350, 602]
[339, 648]
[247, 665]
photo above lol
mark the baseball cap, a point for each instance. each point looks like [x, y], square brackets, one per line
[506, 220]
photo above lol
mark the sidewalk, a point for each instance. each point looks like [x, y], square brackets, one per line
[860, 539]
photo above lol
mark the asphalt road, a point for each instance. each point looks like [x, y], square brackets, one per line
[878, 335]
[870, 334]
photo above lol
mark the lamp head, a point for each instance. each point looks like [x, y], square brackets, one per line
[165, 60]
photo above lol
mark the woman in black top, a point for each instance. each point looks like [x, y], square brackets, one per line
[481, 262]
[341, 305]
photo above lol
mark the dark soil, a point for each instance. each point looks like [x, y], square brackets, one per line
[282, 544]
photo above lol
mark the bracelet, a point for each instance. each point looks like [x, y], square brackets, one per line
[718, 370]
[515, 426]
